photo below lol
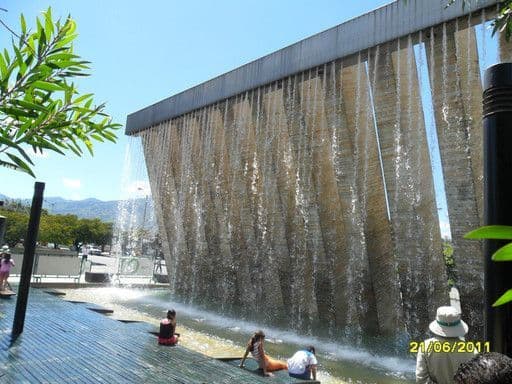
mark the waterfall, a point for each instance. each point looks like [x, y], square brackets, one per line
[310, 202]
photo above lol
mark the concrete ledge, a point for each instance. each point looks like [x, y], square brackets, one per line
[381, 25]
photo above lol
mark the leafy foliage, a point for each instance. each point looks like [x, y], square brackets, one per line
[503, 21]
[57, 229]
[496, 232]
[40, 107]
[17, 223]
[450, 263]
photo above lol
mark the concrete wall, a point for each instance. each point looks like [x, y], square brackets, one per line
[384, 24]
[299, 188]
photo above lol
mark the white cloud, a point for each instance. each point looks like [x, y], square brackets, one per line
[72, 183]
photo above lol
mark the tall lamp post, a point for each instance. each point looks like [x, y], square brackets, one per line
[143, 223]
[3, 226]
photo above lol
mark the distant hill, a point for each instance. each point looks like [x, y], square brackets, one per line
[94, 208]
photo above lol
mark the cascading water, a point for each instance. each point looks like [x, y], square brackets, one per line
[451, 116]
[134, 242]
[310, 202]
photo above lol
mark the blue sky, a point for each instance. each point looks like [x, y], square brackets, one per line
[142, 52]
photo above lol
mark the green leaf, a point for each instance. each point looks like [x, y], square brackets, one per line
[22, 67]
[73, 74]
[503, 254]
[7, 141]
[23, 24]
[21, 164]
[30, 105]
[88, 144]
[74, 146]
[97, 137]
[24, 127]
[70, 25]
[62, 56]
[30, 43]
[12, 166]
[3, 66]
[502, 232]
[79, 99]
[62, 44]
[41, 42]
[48, 22]
[505, 298]
[110, 136]
[7, 57]
[47, 86]
[17, 112]
[24, 154]
[48, 145]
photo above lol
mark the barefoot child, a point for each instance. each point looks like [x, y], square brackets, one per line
[6, 263]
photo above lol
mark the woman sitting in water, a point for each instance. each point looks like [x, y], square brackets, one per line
[265, 363]
[167, 336]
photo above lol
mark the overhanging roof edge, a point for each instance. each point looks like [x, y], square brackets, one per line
[391, 21]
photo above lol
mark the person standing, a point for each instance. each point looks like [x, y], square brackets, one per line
[6, 263]
[440, 356]
[302, 365]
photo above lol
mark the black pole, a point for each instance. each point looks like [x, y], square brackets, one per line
[497, 123]
[28, 259]
[3, 225]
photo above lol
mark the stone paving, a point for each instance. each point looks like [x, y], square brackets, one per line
[65, 342]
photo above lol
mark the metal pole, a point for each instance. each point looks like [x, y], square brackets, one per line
[3, 226]
[28, 259]
[497, 125]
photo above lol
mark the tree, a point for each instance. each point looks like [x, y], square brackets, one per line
[92, 231]
[503, 21]
[16, 229]
[496, 232]
[57, 229]
[40, 107]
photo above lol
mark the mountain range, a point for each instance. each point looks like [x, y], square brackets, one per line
[92, 208]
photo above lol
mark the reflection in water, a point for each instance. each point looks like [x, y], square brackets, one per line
[219, 336]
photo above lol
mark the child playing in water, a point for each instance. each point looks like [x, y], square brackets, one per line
[265, 362]
[167, 336]
[6, 263]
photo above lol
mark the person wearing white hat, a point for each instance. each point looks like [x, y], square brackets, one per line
[440, 356]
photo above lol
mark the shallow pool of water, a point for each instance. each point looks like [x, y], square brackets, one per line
[221, 336]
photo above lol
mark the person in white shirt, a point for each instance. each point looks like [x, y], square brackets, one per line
[440, 356]
[302, 365]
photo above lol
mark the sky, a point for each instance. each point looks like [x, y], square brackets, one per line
[143, 52]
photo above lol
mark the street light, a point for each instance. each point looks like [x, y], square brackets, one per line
[3, 225]
[145, 207]
[143, 224]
